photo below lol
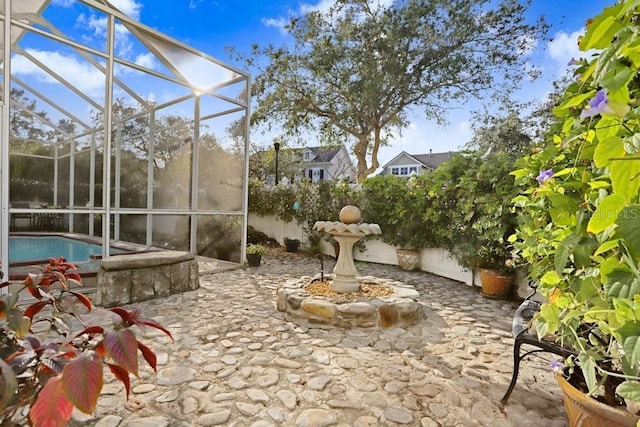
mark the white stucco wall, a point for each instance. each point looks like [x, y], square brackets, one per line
[436, 261]
[277, 229]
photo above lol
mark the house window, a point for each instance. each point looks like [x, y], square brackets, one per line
[307, 155]
[403, 170]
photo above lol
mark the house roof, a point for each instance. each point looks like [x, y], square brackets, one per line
[430, 160]
[323, 154]
[433, 160]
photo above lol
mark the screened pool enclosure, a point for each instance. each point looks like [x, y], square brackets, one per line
[111, 129]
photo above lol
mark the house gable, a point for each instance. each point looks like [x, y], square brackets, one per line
[405, 164]
[326, 162]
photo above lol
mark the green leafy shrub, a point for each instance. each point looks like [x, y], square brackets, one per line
[398, 206]
[256, 249]
[471, 207]
[580, 213]
[320, 201]
[464, 206]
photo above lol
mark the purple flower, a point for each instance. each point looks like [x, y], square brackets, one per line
[556, 366]
[544, 175]
[597, 105]
[572, 61]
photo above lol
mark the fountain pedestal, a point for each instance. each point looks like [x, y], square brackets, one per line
[344, 279]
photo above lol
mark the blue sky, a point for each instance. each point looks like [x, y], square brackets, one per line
[210, 25]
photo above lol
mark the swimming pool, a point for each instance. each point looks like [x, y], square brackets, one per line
[32, 249]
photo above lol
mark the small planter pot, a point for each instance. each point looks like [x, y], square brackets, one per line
[585, 411]
[254, 260]
[495, 284]
[292, 245]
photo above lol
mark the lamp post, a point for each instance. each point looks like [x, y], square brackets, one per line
[276, 146]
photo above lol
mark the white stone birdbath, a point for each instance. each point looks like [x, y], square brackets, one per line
[347, 232]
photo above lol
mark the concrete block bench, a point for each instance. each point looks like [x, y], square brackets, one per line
[123, 279]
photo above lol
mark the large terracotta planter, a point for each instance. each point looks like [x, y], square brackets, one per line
[495, 284]
[585, 411]
[408, 259]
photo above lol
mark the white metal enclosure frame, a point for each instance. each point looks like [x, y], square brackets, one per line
[84, 135]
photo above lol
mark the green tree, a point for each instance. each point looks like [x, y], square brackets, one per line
[354, 72]
[507, 132]
[25, 121]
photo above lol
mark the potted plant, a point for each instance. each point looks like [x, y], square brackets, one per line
[254, 254]
[471, 194]
[292, 245]
[579, 222]
[495, 270]
[51, 360]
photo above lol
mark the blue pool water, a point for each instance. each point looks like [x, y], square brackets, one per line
[36, 248]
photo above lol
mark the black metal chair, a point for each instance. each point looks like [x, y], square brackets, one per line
[522, 336]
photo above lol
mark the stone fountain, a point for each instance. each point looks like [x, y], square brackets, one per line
[352, 301]
[347, 232]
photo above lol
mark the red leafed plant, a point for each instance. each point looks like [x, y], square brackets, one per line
[50, 359]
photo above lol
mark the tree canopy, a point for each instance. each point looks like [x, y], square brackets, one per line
[507, 132]
[352, 74]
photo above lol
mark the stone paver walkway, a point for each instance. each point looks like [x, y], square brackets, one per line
[236, 361]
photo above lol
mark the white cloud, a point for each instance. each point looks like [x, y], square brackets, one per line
[98, 25]
[147, 60]
[278, 23]
[130, 8]
[564, 47]
[82, 75]
[63, 3]
[322, 6]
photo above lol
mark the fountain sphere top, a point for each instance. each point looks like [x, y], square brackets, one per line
[350, 215]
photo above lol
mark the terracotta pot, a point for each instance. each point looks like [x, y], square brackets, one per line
[495, 283]
[408, 259]
[585, 411]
